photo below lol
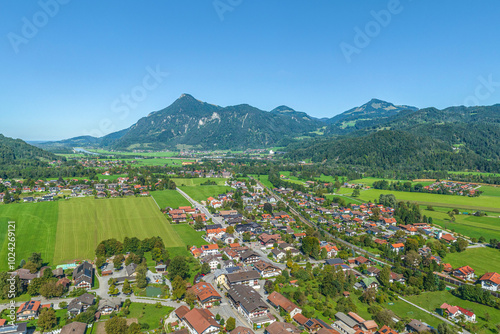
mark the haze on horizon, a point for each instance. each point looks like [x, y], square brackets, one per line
[66, 66]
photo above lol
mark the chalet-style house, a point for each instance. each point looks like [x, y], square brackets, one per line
[279, 301]
[83, 276]
[206, 294]
[249, 303]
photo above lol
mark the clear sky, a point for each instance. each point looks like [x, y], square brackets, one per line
[69, 68]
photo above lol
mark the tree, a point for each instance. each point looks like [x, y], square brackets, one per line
[178, 288]
[443, 328]
[116, 325]
[230, 324]
[117, 261]
[230, 229]
[126, 289]
[355, 192]
[178, 267]
[268, 208]
[385, 275]
[190, 298]
[205, 268]
[384, 317]
[462, 244]
[47, 319]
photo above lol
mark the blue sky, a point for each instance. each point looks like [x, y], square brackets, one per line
[71, 75]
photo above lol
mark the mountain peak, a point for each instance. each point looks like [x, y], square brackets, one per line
[282, 109]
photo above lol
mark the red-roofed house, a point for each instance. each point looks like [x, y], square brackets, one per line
[28, 310]
[465, 272]
[490, 281]
[399, 247]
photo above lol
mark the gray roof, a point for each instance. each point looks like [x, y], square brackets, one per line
[243, 276]
[346, 319]
[130, 269]
[247, 297]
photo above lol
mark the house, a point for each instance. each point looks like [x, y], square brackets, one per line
[266, 269]
[465, 273]
[249, 278]
[490, 281]
[108, 306]
[398, 247]
[28, 310]
[331, 250]
[268, 240]
[279, 301]
[212, 260]
[209, 249]
[249, 303]
[83, 276]
[447, 237]
[417, 326]
[282, 328]
[19, 328]
[361, 260]
[198, 321]
[206, 294]
[373, 271]
[249, 257]
[279, 254]
[386, 330]
[369, 283]
[80, 304]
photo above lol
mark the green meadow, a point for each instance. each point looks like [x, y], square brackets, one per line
[171, 198]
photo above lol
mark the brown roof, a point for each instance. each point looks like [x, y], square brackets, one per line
[282, 328]
[200, 319]
[74, 328]
[278, 299]
[205, 291]
[181, 311]
[241, 330]
[300, 318]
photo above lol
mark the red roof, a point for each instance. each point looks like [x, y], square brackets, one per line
[492, 277]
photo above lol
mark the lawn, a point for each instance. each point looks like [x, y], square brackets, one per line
[405, 310]
[171, 198]
[148, 313]
[84, 223]
[110, 177]
[490, 191]
[201, 193]
[432, 300]
[158, 161]
[482, 260]
[486, 203]
[189, 235]
[36, 225]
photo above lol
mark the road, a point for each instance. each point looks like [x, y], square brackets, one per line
[202, 208]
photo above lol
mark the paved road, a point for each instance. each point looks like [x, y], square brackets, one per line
[202, 208]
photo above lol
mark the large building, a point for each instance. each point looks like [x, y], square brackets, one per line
[83, 276]
[249, 303]
[248, 278]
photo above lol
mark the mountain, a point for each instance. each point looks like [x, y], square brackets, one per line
[476, 129]
[190, 123]
[15, 153]
[389, 149]
[373, 112]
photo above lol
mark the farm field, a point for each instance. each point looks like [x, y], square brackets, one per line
[291, 178]
[36, 225]
[482, 260]
[405, 310]
[475, 173]
[201, 193]
[110, 177]
[490, 191]
[189, 235]
[158, 161]
[432, 300]
[485, 203]
[83, 223]
[468, 225]
[135, 154]
[171, 198]
[198, 181]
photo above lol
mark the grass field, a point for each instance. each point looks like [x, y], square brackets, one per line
[36, 225]
[486, 203]
[405, 310]
[171, 198]
[198, 180]
[83, 223]
[475, 173]
[201, 193]
[264, 179]
[159, 161]
[148, 313]
[432, 300]
[482, 260]
[468, 225]
[188, 235]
